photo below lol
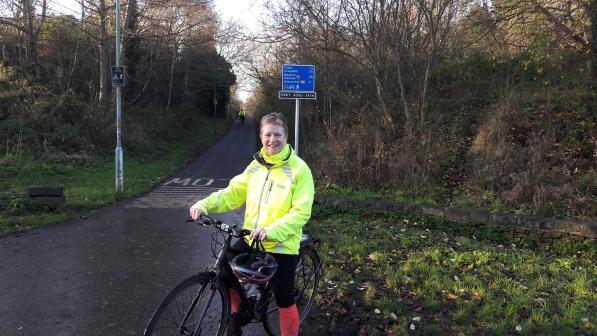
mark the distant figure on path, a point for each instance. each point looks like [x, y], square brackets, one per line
[241, 115]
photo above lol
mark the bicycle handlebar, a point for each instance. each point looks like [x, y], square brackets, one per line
[205, 220]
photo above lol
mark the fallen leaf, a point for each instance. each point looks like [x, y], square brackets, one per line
[451, 296]
[393, 316]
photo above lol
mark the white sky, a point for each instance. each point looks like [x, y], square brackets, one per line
[246, 12]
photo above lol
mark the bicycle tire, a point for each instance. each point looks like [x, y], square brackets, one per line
[308, 272]
[189, 298]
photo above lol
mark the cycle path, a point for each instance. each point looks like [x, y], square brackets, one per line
[105, 274]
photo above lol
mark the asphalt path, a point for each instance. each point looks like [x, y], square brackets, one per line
[105, 274]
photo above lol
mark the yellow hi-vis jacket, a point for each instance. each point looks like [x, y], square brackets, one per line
[278, 191]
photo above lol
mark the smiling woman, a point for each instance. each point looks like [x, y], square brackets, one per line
[273, 133]
[275, 216]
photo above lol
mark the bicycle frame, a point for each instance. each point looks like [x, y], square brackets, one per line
[246, 306]
[192, 299]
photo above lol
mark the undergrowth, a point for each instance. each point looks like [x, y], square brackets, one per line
[398, 274]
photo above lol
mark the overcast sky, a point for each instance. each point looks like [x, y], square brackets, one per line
[247, 12]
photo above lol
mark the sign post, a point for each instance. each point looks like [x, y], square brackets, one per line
[118, 82]
[298, 82]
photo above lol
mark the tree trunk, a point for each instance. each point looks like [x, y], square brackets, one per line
[34, 62]
[171, 78]
[593, 41]
[104, 60]
[131, 45]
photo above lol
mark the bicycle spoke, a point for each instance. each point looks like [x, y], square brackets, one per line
[188, 308]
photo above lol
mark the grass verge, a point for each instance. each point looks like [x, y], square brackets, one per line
[397, 275]
[89, 182]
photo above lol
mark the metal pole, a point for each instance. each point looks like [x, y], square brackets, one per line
[118, 151]
[296, 125]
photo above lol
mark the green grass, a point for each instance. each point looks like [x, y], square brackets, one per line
[334, 190]
[443, 279]
[88, 183]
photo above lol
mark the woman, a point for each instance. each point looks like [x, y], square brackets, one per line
[277, 187]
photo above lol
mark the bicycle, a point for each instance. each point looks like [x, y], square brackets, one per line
[200, 305]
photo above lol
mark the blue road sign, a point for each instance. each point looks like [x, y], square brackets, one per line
[298, 78]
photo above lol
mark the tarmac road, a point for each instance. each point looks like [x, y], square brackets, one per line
[105, 275]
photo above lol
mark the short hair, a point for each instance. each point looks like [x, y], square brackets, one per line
[275, 118]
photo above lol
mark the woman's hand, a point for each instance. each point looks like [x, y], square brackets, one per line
[258, 234]
[195, 213]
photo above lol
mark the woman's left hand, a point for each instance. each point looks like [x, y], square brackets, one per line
[259, 234]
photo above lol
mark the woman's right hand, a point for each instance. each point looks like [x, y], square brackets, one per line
[195, 213]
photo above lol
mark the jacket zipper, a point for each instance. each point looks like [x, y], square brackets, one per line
[269, 191]
[261, 196]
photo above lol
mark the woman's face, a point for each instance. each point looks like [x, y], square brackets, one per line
[273, 138]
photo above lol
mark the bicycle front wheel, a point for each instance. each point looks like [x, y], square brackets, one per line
[308, 271]
[194, 305]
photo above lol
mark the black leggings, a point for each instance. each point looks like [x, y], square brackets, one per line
[283, 280]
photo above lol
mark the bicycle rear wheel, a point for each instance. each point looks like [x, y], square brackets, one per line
[180, 312]
[308, 269]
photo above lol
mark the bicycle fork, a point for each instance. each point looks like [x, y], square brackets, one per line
[214, 287]
[205, 308]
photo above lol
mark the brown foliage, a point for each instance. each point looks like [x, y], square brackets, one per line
[536, 159]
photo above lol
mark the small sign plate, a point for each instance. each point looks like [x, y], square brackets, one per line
[117, 76]
[296, 95]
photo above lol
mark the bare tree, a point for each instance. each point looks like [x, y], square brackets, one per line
[26, 20]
